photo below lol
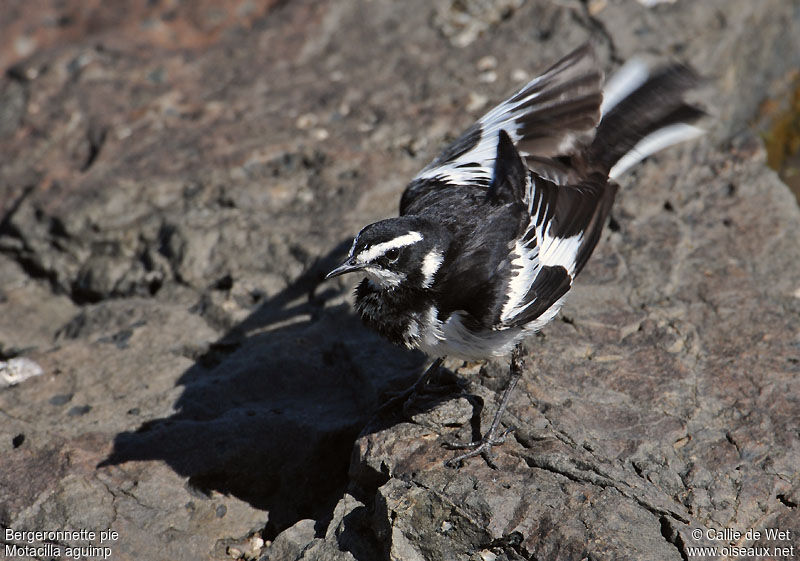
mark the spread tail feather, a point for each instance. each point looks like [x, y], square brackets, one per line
[644, 112]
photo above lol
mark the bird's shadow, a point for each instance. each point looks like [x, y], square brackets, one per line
[269, 412]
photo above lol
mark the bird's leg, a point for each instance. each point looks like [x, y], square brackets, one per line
[483, 447]
[416, 387]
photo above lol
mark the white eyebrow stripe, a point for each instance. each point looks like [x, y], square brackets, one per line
[379, 249]
[353, 246]
[430, 266]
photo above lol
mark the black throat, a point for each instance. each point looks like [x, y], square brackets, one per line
[389, 311]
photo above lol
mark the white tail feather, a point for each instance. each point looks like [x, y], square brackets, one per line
[630, 76]
[652, 143]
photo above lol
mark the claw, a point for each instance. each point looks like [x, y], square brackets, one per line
[482, 447]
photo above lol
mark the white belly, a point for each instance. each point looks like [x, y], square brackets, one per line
[452, 338]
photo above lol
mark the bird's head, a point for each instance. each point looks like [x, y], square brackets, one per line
[403, 252]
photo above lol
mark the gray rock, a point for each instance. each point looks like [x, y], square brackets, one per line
[291, 542]
[326, 551]
[169, 206]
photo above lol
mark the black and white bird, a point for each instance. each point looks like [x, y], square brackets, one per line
[493, 232]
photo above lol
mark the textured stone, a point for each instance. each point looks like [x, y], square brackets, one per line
[177, 179]
[291, 542]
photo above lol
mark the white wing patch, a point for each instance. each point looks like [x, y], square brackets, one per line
[539, 114]
[503, 117]
[482, 154]
[372, 253]
[527, 266]
[546, 316]
[560, 251]
[543, 250]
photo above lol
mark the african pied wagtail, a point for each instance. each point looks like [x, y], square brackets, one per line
[492, 233]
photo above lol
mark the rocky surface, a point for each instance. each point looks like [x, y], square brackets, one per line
[176, 181]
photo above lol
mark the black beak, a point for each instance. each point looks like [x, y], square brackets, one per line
[347, 267]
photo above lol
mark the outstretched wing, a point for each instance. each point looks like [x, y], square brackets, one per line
[644, 112]
[546, 118]
[564, 228]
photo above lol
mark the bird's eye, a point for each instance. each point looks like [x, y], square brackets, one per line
[392, 255]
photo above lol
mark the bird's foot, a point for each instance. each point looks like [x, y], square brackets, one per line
[482, 447]
[494, 436]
